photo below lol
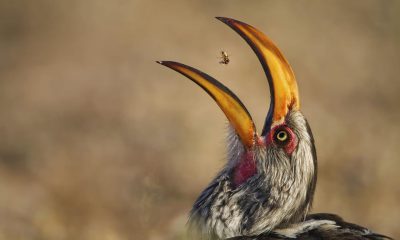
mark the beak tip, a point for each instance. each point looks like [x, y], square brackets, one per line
[234, 24]
[223, 19]
[159, 62]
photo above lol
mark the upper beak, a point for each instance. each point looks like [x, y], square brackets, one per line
[282, 82]
[229, 103]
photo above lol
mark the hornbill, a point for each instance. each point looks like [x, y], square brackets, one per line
[266, 188]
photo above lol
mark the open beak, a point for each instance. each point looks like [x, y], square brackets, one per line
[282, 82]
[229, 103]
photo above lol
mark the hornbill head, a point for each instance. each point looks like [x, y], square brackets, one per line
[269, 179]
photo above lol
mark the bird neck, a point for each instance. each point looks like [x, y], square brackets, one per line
[245, 169]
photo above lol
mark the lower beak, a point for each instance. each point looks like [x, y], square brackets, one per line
[229, 103]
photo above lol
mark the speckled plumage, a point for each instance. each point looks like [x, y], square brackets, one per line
[318, 227]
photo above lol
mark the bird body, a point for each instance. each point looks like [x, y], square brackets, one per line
[266, 188]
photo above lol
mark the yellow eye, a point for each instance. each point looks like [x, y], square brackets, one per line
[282, 136]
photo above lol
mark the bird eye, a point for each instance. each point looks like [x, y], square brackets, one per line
[281, 136]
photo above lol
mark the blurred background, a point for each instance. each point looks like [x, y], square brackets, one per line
[97, 141]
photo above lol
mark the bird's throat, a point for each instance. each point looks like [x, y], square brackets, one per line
[245, 169]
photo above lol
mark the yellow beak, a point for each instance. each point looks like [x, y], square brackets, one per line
[229, 103]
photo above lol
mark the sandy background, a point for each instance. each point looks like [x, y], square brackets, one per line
[99, 142]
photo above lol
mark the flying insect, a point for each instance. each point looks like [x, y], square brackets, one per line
[224, 58]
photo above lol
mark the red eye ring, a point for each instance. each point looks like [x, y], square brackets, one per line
[283, 137]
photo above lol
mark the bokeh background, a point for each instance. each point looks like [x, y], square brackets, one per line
[97, 141]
